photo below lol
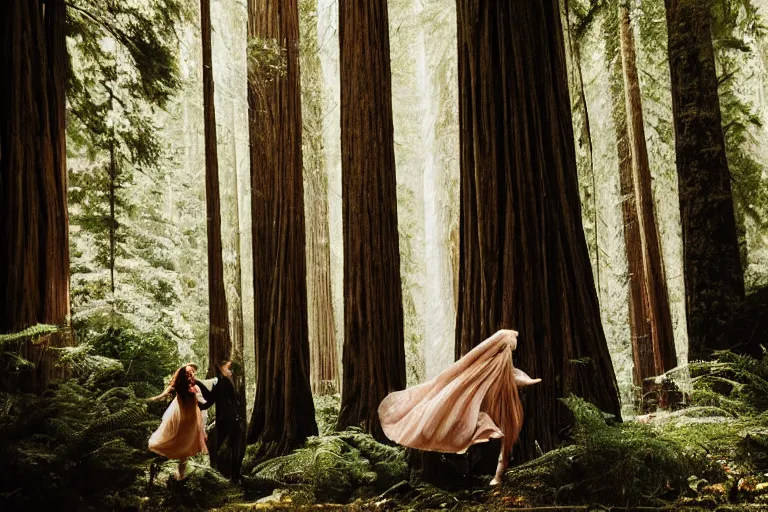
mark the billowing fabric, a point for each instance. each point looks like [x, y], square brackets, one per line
[473, 400]
[181, 433]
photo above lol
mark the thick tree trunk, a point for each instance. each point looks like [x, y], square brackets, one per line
[237, 328]
[714, 281]
[283, 413]
[524, 259]
[654, 342]
[219, 347]
[34, 245]
[374, 355]
[324, 364]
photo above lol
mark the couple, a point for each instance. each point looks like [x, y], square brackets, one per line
[181, 433]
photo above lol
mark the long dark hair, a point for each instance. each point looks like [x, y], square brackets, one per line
[181, 386]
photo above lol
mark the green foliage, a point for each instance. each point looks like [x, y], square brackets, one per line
[124, 67]
[737, 28]
[144, 359]
[716, 441]
[737, 384]
[73, 449]
[32, 332]
[82, 445]
[627, 464]
[586, 13]
[16, 369]
[267, 59]
[203, 489]
[145, 30]
[327, 413]
[331, 468]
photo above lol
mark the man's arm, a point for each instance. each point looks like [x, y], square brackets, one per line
[208, 396]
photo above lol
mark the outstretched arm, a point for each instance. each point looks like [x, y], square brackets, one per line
[162, 395]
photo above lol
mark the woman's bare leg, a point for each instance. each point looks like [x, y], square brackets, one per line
[503, 463]
[182, 469]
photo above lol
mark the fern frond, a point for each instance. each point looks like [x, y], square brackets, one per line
[34, 331]
[131, 415]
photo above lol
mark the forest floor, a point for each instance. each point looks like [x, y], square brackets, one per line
[699, 457]
[82, 446]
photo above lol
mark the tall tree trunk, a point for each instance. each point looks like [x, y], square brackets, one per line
[714, 281]
[324, 365]
[374, 355]
[654, 350]
[238, 317]
[639, 326]
[585, 136]
[440, 133]
[238, 445]
[283, 413]
[34, 245]
[524, 259]
[112, 194]
[219, 347]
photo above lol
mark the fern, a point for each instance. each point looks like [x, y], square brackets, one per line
[131, 415]
[332, 467]
[35, 331]
[628, 464]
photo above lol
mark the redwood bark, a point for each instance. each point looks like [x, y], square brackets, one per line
[34, 245]
[640, 328]
[283, 413]
[219, 346]
[524, 259]
[714, 282]
[653, 344]
[324, 363]
[374, 355]
[237, 331]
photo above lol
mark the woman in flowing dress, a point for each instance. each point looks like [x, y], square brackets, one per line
[181, 433]
[472, 401]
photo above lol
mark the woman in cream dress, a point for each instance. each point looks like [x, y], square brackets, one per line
[472, 401]
[181, 433]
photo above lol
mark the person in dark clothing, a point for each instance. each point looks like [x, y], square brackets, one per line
[227, 419]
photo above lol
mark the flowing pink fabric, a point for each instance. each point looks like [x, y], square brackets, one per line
[181, 433]
[473, 400]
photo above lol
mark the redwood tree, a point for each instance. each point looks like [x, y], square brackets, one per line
[324, 361]
[219, 348]
[34, 246]
[374, 357]
[524, 259]
[653, 343]
[219, 345]
[283, 413]
[714, 281]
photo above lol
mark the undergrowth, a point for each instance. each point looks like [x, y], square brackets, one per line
[331, 468]
[82, 445]
[628, 464]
